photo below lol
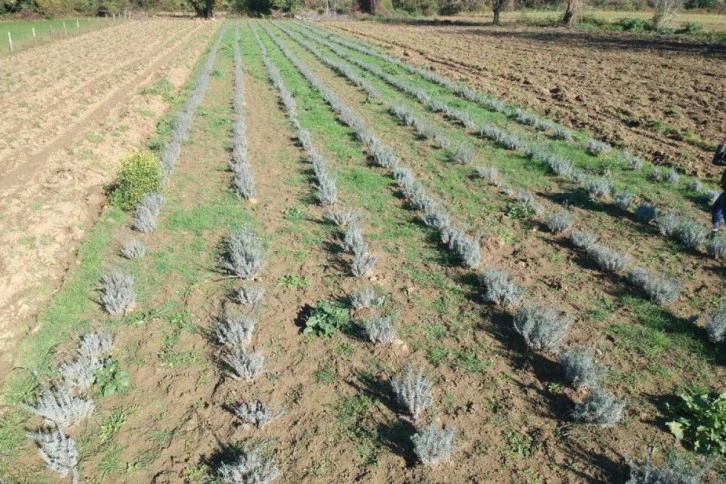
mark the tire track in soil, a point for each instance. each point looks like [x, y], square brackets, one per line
[21, 172]
[55, 196]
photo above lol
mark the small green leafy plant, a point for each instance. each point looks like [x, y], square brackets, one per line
[293, 281]
[140, 173]
[702, 422]
[326, 318]
[112, 379]
[520, 210]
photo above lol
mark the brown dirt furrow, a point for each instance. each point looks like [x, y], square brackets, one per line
[80, 84]
[48, 204]
[614, 86]
[54, 127]
[30, 78]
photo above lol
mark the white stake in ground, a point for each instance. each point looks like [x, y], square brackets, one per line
[34, 40]
[10, 41]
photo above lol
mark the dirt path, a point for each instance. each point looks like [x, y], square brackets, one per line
[614, 85]
[52, 190]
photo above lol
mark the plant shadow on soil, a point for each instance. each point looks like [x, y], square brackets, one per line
[655, 318]
[394, 434]
[580, 199]
[559, 405]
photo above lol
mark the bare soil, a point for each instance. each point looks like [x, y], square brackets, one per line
[72, 110]
[614, 85]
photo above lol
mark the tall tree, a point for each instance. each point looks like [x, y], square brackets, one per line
[572, 13]
[497, 6]
[372, 7]
[203, 8]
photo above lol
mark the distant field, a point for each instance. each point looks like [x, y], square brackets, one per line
[22, 31]
[708, 22]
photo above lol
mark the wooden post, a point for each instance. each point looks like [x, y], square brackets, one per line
[34, 41]
[65, 29]
[10, 41]
[78, 26]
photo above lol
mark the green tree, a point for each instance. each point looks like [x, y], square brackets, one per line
[203, 8]
[497, 6]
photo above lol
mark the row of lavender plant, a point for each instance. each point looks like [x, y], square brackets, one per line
[66, 402]
[413, 391]
[243, 180]
[690, 233]
[487, 101]
[242, 259]
[148, 208]
[117, 293]
[660, 290]
[535, 324]
[591, 146]
[325, 186]
[542, 327]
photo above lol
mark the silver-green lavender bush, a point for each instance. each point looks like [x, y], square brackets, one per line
[560, 221]
[543, 329]
[58, 451]
[365, 297]
[413, 391]
[255, 413]
[716, 325]
[599, 408]
[246, 365]
[674, 470]
[116, 292]
[500, 288]
[250, 296]
[609, 260]
[433, 445]
[59, 407]
[242, 257]
[380, 330]
[583, 240]
[580, 368]
[249, 468]
[234, 330]
[132, 249]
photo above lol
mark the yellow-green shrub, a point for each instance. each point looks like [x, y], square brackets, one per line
[140, 173]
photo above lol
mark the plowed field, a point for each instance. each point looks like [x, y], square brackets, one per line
[626, 89]
[71, 110]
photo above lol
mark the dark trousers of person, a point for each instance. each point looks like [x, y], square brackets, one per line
[718, 209]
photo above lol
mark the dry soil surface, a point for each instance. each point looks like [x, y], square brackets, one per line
[71, 110]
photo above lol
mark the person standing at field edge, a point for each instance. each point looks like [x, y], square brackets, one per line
[719, 206]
